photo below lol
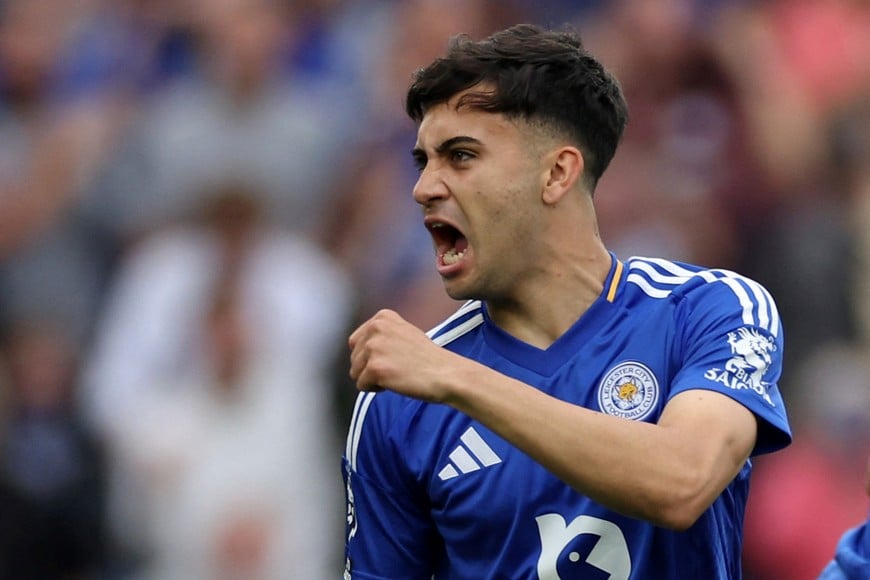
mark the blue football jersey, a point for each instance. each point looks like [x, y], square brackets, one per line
[433, 493]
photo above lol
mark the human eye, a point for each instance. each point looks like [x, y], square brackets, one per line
[461, 155]
[419, 159]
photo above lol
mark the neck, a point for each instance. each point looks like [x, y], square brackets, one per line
[544, 311]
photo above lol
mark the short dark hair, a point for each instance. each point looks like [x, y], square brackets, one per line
[538, 75]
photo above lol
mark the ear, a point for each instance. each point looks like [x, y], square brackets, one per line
[565, 171]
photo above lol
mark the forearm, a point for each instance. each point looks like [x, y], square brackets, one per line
[667, 473]
[664, 474]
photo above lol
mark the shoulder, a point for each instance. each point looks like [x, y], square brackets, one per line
[701, 291]
[852, 557]
[386, 418]
[468, 317]
[391, 438]
[376, 420]
[391, 405]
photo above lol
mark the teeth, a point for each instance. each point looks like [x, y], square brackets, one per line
[451, 256]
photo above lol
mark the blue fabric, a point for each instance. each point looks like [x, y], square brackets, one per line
[432, 492]
[852, 559]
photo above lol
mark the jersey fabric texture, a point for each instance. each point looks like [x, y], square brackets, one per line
[852, 558]
[433, 493]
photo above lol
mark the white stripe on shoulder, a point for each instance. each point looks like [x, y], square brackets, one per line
[774, 312]
[669, 266]
[734, 282]
[463, 310]
[678, 274]
[458, 331]
[647, 287]
[646, 273]
[768, 316]
[363, 402]
[743, 298]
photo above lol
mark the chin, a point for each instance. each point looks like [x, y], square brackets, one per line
[458, 291]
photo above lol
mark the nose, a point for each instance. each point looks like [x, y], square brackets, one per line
[430, 187]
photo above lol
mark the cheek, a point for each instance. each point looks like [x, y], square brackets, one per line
[516, 204]
[507, 225]
[504, 207]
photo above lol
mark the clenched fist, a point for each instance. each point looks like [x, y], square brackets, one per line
[388, 352]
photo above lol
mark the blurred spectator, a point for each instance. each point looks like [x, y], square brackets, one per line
[850, 136]
[292, 294]
[234, 463]
[806, 257]
[210, 379]
[802, 500]
[52, 498]
[824, 44]
[557, 12]
[807, 58]
[239, 116]
[333, 39]
[683, 184]
[55, 135]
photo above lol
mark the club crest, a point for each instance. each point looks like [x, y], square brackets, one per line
[629, 390]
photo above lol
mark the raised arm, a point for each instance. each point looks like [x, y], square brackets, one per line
[667, 473]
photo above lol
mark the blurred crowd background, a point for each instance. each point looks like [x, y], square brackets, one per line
[199, 199]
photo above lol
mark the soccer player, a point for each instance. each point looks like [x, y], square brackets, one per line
[582, 415]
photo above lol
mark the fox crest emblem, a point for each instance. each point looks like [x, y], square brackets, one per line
[752, 355]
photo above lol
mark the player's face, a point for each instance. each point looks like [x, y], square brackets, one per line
[480, 188]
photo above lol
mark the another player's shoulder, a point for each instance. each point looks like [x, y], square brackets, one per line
[702, 288]
[468, 317]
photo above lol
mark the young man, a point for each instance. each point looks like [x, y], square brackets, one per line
[580, 416]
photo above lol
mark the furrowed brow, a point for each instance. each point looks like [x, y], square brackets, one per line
[454, 141]
[420, 157]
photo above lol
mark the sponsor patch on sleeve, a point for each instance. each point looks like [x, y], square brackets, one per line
[751, 357]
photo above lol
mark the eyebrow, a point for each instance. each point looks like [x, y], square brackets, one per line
[445, 146]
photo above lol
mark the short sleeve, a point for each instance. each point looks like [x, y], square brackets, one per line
[389, 532]
[731, 341]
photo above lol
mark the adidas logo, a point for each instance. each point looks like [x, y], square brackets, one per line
[472, 456]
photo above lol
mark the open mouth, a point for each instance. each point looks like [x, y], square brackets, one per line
[450, 243]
